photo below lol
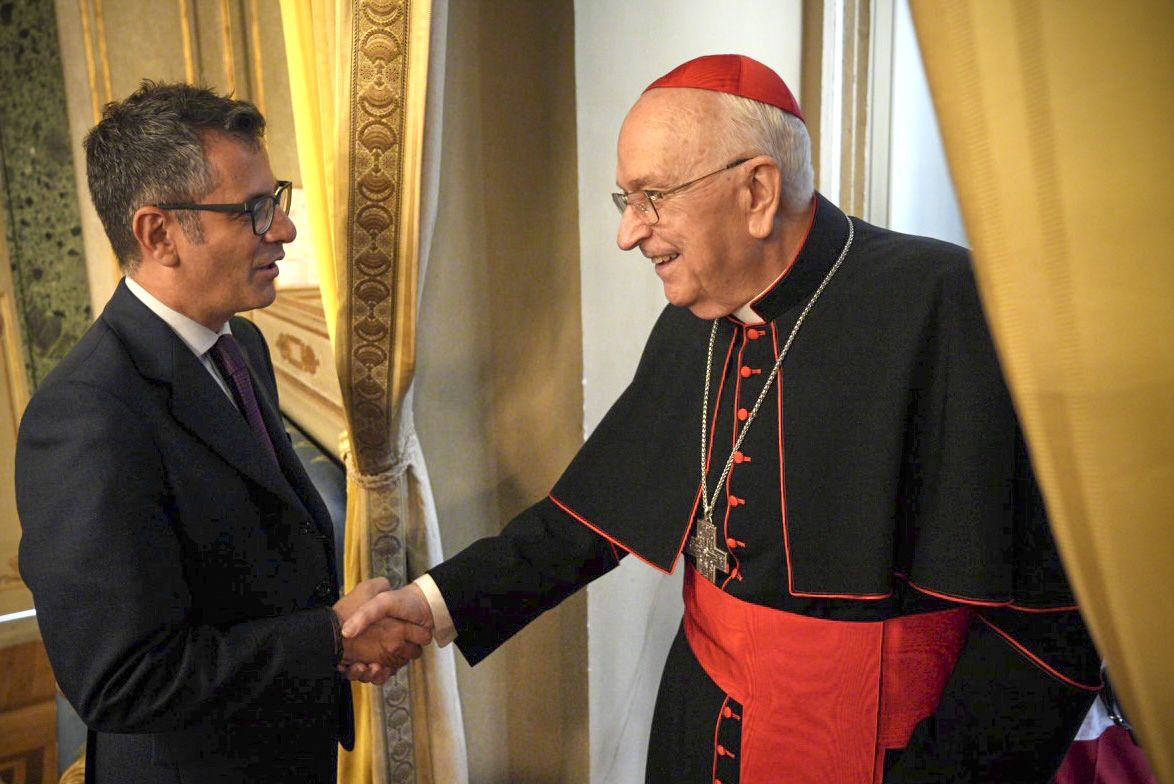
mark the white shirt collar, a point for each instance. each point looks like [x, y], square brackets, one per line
[195, 335]
[746, 314]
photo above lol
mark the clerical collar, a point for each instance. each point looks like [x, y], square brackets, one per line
[820, 248]
[195, 335]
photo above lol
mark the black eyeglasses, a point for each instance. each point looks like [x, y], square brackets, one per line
[260, 208]
[644, 202]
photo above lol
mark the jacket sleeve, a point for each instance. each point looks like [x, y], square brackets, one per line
[105, 562]
[499, 584]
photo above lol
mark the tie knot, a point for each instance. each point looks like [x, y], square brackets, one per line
[227, 354]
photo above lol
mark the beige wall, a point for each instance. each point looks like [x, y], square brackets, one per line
[499, 397]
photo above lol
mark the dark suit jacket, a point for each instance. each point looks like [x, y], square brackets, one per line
[183, 582]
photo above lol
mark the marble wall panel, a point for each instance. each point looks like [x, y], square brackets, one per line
[37, 187]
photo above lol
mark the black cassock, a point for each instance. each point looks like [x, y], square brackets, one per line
[884, 477]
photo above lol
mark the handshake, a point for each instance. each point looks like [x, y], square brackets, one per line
[382, 629]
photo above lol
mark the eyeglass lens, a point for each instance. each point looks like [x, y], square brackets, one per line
[638, 201]
[262, 209]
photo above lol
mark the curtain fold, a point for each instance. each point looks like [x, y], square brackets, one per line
[1056, 119]
[359, 77]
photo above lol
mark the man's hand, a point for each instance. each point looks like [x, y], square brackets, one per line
[359, 595]
[373, 655]
[389, 643]
[407, 604]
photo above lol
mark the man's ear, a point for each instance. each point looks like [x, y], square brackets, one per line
[765, 187]
[155, 230]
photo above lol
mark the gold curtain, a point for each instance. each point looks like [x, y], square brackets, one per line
[1057, 121]
[358, 78]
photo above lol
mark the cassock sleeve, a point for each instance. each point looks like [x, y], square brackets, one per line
[978, 535]
[499, 584]
[1008, 714]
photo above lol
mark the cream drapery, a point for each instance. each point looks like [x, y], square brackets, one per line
[1057, 123]
[358, 79]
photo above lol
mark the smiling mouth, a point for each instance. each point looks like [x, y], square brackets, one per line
[658, 260]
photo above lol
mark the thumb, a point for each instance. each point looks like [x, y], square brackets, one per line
[379, 606]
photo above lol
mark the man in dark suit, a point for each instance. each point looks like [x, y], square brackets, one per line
[181, 562]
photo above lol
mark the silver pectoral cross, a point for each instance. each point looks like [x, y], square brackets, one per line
[707, 555]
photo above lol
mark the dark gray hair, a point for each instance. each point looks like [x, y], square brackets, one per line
[149, 149]
[782, 136]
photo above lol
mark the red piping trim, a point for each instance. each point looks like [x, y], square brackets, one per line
[1008, 604]
[716, 729]
[791, 263]
[717, 404]
[733, 440]
[612, 539]
[783, 499]
[955, 598]
[774, 337]
[1042, 610]
[1037, 661]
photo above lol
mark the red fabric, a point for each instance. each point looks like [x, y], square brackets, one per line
[735, 74]
[821, 699]
[1113, 758]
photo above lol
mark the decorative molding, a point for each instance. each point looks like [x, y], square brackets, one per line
[11, 578]
[847, 70]
[103, 51]
[226, 48]
[185, 30]
[297, 354]
[91, 64]
[15, 375]
[295, 324]
[254, 56]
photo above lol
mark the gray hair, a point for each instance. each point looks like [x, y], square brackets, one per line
[149, 149]
[758, 126]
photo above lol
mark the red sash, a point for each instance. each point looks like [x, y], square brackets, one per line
[822, 700]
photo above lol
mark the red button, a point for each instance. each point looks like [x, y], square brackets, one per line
[731, 542]
[721, 750]
[743, 415]
[726, 712]
[754, 334]
[740, 458]
[736, 501]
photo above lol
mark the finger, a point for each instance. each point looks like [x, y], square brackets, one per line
[409, 651]
[376, 608]
[419, 635]
[372, 587]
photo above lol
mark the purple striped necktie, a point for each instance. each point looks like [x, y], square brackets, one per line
[229, 360]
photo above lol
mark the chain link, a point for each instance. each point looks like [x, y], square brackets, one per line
[707, 503]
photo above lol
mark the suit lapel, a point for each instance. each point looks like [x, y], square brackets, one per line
[288, 459]
[197, 403]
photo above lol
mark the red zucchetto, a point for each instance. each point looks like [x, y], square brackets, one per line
[735, 74]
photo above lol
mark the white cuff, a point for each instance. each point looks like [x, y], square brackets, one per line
[443, 630]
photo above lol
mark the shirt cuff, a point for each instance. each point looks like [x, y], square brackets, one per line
[443, 630]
